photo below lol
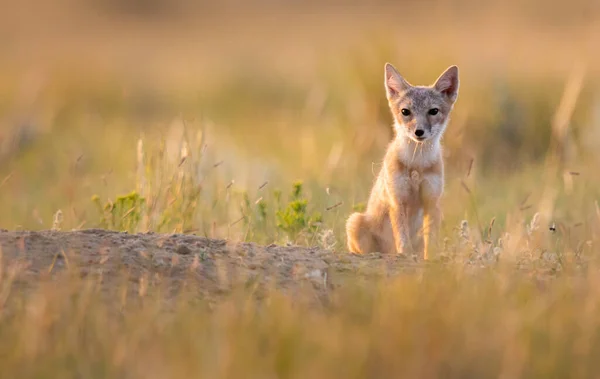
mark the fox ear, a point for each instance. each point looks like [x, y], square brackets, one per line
[394, 82]
[448, 83]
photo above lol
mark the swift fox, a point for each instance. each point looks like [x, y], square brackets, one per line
[405, 199]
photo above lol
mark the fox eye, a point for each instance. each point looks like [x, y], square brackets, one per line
[405, 112]
[433, 111]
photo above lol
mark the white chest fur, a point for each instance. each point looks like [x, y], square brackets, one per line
[419, 155]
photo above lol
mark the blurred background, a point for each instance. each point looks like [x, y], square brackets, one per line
[209, 109]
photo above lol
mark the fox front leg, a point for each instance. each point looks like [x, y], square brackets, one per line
[431, 227]
[399, 217]
[431, 192]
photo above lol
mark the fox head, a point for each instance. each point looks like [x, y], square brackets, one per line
[421, 113]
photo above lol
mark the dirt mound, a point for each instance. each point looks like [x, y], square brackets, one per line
[214, 266]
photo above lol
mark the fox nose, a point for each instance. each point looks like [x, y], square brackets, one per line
[419, 132]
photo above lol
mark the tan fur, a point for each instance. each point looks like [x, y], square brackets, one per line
[403, 212]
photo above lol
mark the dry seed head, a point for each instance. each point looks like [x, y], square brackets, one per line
[446, 243]
[497, 251]
[58, 220]
[550, 257]
[328, 240]
[503, 240]
[534, 224]
[490, 255]
[463, 231]
[140, 152]
[184, 150]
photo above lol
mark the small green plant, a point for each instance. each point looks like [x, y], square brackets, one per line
[295, 218]
[123, 214]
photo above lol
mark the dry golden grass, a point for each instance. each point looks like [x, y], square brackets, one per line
[446, 322]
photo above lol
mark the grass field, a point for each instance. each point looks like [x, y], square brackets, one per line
[266, 123]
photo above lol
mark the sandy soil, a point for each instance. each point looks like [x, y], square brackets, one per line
[214, 266]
